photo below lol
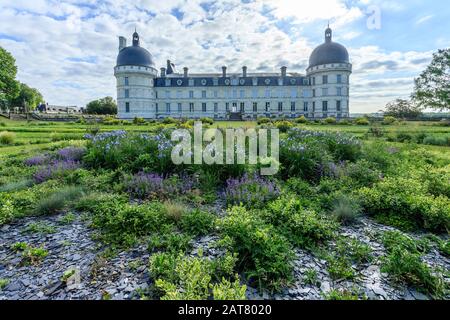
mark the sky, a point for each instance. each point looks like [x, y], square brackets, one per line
[67, 49]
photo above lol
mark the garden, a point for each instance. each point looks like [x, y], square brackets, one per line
[359, 210]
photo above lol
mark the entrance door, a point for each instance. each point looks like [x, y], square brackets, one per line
[234, 107]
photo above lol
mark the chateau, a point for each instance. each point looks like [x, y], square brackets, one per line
[143, 92]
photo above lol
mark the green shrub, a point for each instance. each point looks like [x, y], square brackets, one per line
[341, 295]
[197, 222]
[16, 186]
[283, 126]
[301, 120]
[174, 211]
[138, 121]
[405, 203]
[169, 120]
[170, 241]
[388, 120]
[122, 223]
[7, 137]
[190, 278]
[330, 120]
[264, 255]
[304, 228]
[404, 137]
[436, 141]
[227, 290]
[58, 200]
[362, 121]
[206, 120]
[263, 120]
[3, 282]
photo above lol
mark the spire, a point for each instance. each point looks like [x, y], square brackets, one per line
[135, 38]
[328, 34]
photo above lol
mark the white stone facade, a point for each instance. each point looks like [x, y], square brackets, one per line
[322, 92]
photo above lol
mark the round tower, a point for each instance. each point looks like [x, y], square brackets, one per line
[135, 73]
[329, 73]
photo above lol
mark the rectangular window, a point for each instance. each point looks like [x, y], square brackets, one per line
[267, 93]
[168, 82]
[255, 93]
[242, 94]
[338, 105]
[305, 106]
[324, 92]
[216, 94]
[127, 83]
[127, 107]
[167, 94]
[324, 79]
[216, 81]
[179, 107]
[280, 106]
[292, 106]
[191, 82]
[227, 106]
[293, 93]
[255, 106]
[203, 94]
[127, 93]
[324, 105]
[216, 107]
[267, 106]
[242, 105]
[156, 108]
[234, 94]
[339, 91]
[314, 106]
[191, 107]
[314, 92]
[314, 81]
[167, 107]
[203, 107]
[191, 94]
[339, 78]
[179, 94]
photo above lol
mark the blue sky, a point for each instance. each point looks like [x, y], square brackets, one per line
[67, 49]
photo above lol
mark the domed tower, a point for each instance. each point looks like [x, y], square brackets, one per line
[329, 73]
[135, 73]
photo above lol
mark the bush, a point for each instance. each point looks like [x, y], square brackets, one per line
[170, 241]
[362, 122]
[120, 222]
[263, 120]
[405, 203]
[197, 222]
[436, 141]
[206, 120]
[301, 120]
[388, 120]
[169, 120]
[304, 228]
[138, 121]
[283, 126]
[174, 211]
[7, 137]
[330, 120]
[58, 200]
[264, 255]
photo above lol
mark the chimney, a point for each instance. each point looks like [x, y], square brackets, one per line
[224, 71]
[122, 42]
[244, 71]
[185, 69]
[283, 71]
[163, 72]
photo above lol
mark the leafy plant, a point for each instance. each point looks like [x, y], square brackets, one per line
[197, 222]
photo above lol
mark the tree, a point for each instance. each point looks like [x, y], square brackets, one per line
[29, 96]
[106, 105]
[403, 109]
[432, 88]
[9, 87]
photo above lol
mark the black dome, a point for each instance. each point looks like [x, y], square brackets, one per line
[135, 56]
[328, 52]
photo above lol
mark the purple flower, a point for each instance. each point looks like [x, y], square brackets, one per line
[54, 169]
[71, 153]
[37, 160]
